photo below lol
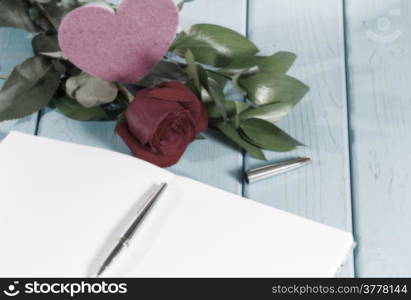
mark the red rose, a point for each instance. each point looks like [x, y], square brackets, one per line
[161, 122]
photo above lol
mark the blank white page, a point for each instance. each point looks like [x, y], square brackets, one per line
[63, 207]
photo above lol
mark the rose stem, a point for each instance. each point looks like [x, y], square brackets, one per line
[220, 74]
[208, 70]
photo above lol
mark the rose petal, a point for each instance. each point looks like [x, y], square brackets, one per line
[174, 134]
[202, 123]
[176, 91]
[173, 84]
[143, 153]
[144, 115]
[143, 92]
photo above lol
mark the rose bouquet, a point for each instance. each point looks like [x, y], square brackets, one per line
[172, 97]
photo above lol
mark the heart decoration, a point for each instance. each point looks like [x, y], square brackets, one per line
[121, 46]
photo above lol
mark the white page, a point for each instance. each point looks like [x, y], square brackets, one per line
[61, 203]
[63, 206]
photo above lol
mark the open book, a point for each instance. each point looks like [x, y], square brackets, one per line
[64, 206]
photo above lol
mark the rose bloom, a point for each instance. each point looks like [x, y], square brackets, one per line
[161, 122]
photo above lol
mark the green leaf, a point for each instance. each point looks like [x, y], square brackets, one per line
[59, 66]
[237, 85]
[220, 79]
[266, 88]
[217, 94]
[271, 112]
[279, 62]
[213, 90]
[69, 5]
[192, 69]
[205, 87]
[180, 5]
[209, 89]
[29, 88]
[214, 45]
[230, 131]
[15, 13]
[91, 91]
[232, 109]
[268, 136]
[164, 71]
[74, 110]
[54, 11]
[43, 43]
[180, 38]
[203, 77]
[191, 85]
[57, 9]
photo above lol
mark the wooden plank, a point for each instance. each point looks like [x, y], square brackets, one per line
[380, 108]
[313, 29]
[15, 47]
[209, 161]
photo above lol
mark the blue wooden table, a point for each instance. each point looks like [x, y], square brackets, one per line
[356, 121]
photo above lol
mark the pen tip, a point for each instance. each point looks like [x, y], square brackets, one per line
[100, 272]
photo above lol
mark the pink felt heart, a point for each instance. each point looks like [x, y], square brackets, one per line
[122, 46]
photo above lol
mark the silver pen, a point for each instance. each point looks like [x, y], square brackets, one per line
[275, 169]
[129, 234]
